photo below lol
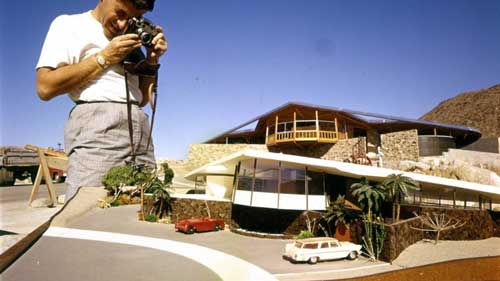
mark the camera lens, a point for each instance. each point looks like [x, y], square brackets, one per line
[146, 38]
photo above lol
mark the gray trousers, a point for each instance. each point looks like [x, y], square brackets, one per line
[96, 138]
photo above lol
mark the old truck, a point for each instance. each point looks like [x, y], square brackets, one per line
[20, 163]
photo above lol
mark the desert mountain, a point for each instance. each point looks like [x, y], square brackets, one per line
[476, 109]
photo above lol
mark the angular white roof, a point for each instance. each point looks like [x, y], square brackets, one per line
[226, 165]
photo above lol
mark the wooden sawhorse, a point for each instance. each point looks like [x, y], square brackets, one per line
[48, 158]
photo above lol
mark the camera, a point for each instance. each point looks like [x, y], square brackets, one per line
[142, 27]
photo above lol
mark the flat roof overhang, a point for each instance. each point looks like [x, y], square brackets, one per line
[384, 123]
[227, 165]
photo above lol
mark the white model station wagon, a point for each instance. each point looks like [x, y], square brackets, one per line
[312, 250]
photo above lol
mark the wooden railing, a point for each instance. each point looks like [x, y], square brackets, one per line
[304, 135]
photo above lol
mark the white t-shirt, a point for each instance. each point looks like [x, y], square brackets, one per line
[73, 38]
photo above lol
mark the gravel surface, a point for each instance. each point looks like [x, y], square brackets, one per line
[426, 252]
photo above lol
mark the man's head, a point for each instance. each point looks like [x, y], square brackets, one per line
[143, 4]
[114, 14]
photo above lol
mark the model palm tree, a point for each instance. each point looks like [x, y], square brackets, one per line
[369, 197]
[161, 198]
[398, 187]
[340, 213]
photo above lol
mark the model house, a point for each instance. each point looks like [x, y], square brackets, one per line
[301, 157]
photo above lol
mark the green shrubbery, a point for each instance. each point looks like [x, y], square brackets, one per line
[150, 218]
[168, 173]
[142, 177]
[125, 175]
[304, 234]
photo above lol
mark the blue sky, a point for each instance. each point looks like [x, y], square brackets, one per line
[229, 61]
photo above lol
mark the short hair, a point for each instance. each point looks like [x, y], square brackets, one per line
[143, 4]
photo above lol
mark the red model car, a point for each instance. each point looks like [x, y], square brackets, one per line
[191, 226]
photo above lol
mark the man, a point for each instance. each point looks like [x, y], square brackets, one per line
[82, 55]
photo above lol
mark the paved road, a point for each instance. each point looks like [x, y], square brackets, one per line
[73, 257]
[17, 219]
[110, 244]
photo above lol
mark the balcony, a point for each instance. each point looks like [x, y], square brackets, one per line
[302, 131]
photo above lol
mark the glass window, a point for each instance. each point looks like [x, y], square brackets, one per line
[266, 176]
[326, 126]
[315, 182]
[281, 127]
[306, 125]
[292, 180]
[245, 175]
[298, 244]
[311, 246]
[334, 244]
[325, 245]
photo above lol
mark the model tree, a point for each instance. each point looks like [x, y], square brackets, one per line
[398, 187]
[437, 223]
[369, 197]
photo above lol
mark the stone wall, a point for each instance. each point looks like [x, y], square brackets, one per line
[479, 225]
[399, 146]
[400, 236]
[372, 141]
[201, 154]
[187, 208]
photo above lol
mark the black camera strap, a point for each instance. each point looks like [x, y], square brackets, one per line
[144, 69]
[153, 96]
[129, 118]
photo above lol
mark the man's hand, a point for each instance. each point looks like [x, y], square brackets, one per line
[159, 46]
[120, 46]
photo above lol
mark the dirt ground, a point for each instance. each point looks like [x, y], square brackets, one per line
[476, 269]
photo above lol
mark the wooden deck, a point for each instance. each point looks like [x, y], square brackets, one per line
[305, 136]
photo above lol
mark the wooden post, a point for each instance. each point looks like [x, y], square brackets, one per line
[253, 179]
[294, 124]
[345, 131]
[235, 180]
[141, 214]
[454, 198]
[336, 129]
[491, 205]
[306, 189]
[276, 130]
[435, 132]
[480, 202]
[317, 125]
[439, 201]
[267, 133]
[465, 204]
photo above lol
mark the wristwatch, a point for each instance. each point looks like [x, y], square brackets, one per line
[103, 63]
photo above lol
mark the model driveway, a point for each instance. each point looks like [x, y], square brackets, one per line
[111, 244]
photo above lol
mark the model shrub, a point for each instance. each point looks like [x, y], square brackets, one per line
[151, 218]
[115, 203]
[168, 173]
[304, 234]
[125, 175]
